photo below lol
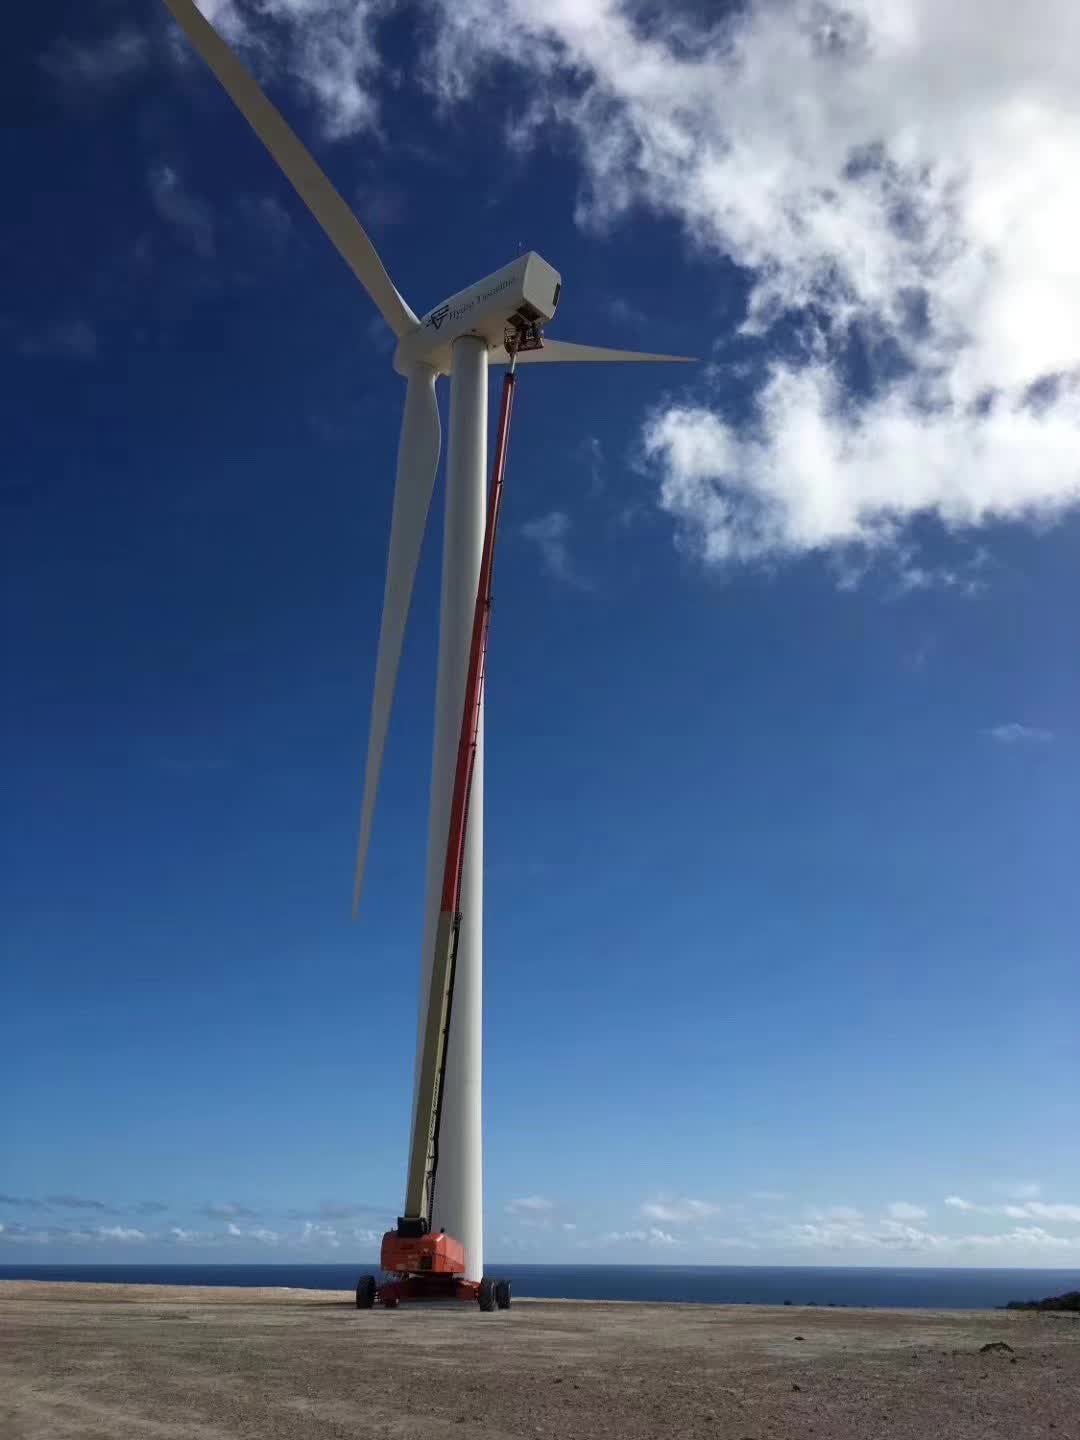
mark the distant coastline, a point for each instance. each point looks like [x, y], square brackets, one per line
[1069, 1302]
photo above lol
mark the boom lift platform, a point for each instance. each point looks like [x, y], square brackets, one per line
[420, 1265]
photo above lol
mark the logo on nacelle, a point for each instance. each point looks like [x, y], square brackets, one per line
[436, 317]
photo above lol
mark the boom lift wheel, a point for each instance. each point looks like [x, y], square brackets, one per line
[502, 1294]
[486, 1296]
[365, 1292]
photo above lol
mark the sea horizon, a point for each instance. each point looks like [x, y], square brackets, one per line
[883, 1287]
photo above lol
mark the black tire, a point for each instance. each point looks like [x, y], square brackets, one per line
[486, 1297]
[365, 1292]
[502, 1294]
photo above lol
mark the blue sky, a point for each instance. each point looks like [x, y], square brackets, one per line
[782, 767]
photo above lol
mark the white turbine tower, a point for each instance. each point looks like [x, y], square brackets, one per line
[458, 337]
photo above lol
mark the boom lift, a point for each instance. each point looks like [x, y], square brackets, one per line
[422, 1265]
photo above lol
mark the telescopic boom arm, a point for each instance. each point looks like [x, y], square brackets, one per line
[424, 1156]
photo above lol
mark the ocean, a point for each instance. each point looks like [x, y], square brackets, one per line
[951, 1289]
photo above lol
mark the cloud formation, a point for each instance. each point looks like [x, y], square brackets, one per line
[530, 1205]
[903, 1210]
[900, 185]
[1017, 1189]
[676, 1211]
[328, 47]
[1020, 1209]
[99, 64]
[652, 1236]
[1043, 1210]
[550, 534]
[1013, 733]
[258, 1233]
[311, 1236]
[81, 1202]
[897, 1235]
[188, 215]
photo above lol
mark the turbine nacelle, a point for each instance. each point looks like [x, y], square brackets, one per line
[527, 290]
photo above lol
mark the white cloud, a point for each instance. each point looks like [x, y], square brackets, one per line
[311, 1235]
[327, 46]
[183, 210]
[227, 1210]
[815, 473]
[120, 1232]
[259, 1233]
[225, 16]
[530, 1205]
[1020, 1209]
[1022, 1237]
[591, 453]
[315, 1234]
[550, 534]
[676, 1211]
[652, 1236]
[100, 64]
[903, 182]
[624, 313]
[904, 1236]
[366, 1236]
[22, 1235]
[1017, 1189]
[902, 1210]
[1013, 733]
[1043, 1210]
[827, 1235]
[897, 1235]
[844, 1213]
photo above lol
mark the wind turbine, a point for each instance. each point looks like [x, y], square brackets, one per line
[459, 337]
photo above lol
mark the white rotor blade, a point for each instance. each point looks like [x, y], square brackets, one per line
[418, 460]
[555, 351]
[313, 187]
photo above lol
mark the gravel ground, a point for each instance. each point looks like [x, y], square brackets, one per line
[112, 1362]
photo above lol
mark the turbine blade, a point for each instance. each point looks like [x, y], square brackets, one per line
[418, 460]
[560, 351]
[308, 180]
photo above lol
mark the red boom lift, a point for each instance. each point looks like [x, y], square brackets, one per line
[420, 1265]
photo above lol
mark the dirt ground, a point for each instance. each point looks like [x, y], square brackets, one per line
[112, 1362]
